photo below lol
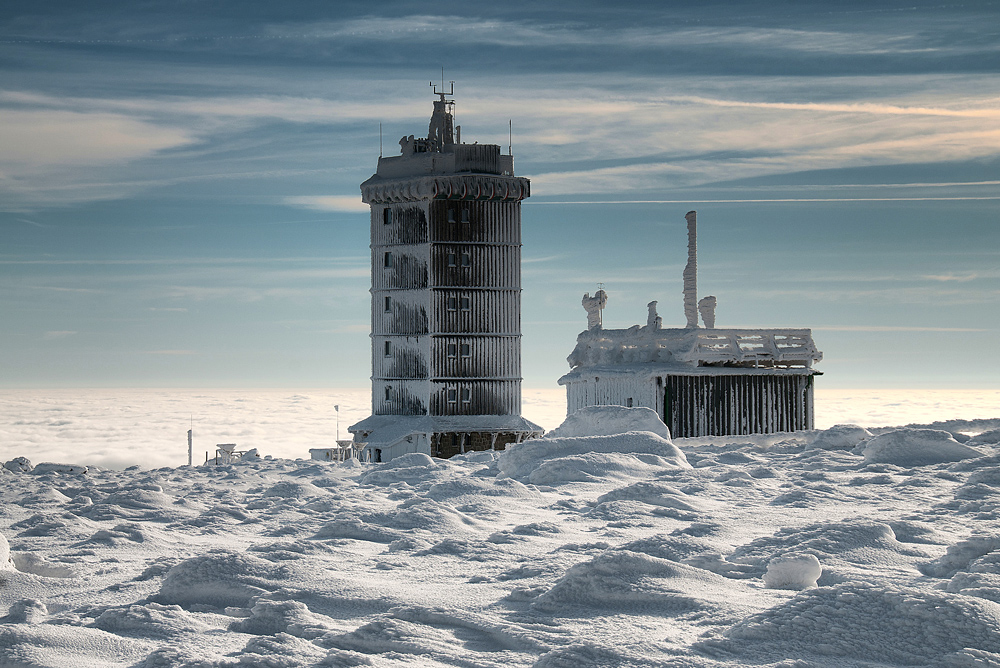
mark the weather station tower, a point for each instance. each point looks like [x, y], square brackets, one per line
[446, 296]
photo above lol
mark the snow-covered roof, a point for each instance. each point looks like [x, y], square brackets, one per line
[651, 370]
[695, 348]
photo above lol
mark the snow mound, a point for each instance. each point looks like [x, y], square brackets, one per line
[859, 542]
[19, 465]
[792, 571]
[839, 437]
[653, 493]
[49, 467]
[621, 580]
[991, 436]
[608, 421]
[356, 528]
[219, 579]
[273, 617]
[288, 489]
[916, 447]
[868, 623]
[413, 467]
[961, 555]
[27, 562]
[26, 611]
[50, 645]
[149, 620]
[547, 460]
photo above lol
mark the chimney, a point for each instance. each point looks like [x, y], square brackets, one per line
[691, 272]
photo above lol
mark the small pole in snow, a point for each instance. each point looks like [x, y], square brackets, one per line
[336, 407]
[190, 448]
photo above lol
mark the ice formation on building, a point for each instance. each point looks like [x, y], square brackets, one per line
[446, 296]
[700, 381]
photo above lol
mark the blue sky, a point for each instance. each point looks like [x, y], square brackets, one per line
[179, 202]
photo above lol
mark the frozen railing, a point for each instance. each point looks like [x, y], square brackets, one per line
[758, 346]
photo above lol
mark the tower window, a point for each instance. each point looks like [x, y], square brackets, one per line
[388, 348]
[466, 350]
[452, 260]
[452, 349]
[466, 259]
[388, 259]
[451, 215]
[386, 216]
[465, 303]
[465, 215]
[452, 303]
[466, 395]
[388, 390]
[628, 402]
[452, 396]
[388, 304]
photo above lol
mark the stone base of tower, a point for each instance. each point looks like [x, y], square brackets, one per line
[385, 437]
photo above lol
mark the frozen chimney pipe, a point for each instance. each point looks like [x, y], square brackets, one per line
[691, 271]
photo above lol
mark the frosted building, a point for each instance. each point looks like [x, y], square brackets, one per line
[446, 297]
[700, 380]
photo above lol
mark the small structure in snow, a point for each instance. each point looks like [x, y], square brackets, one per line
[341, 452]
[226, 453]
[700, 381]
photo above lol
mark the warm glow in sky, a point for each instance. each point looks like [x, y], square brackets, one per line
[179, 201]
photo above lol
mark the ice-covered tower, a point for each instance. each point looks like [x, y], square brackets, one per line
[446, 296]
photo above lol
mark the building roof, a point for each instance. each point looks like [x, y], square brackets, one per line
[695, 348]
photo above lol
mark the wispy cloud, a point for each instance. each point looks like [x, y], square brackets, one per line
[57, 335]
[952, 278]
[349, 203]
[40, 138]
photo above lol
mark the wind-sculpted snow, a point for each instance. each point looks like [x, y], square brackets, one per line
[869, 623]
[219, 579]
[613, 548]
[917, 447]
[608, 421]
[840, 437]
[580, 458]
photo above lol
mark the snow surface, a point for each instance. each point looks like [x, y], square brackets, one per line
[584, 549]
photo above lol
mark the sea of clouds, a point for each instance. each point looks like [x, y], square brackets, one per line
[148, 427]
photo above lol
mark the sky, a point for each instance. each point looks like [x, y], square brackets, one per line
[179, 201]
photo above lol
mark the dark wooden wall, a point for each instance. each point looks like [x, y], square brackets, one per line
[736, 404]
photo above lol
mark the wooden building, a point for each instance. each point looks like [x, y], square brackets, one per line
[446, 296]
[701, 381]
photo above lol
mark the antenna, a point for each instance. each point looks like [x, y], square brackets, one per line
[380, 140]
[600, 306]
[510, 136]
[442, 92]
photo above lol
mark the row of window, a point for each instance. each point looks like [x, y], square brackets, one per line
[453, 216]
[454, 395]
[452, 349]
[454, 260]
[452, 303]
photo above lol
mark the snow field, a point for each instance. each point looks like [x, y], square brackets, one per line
[614, 548]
